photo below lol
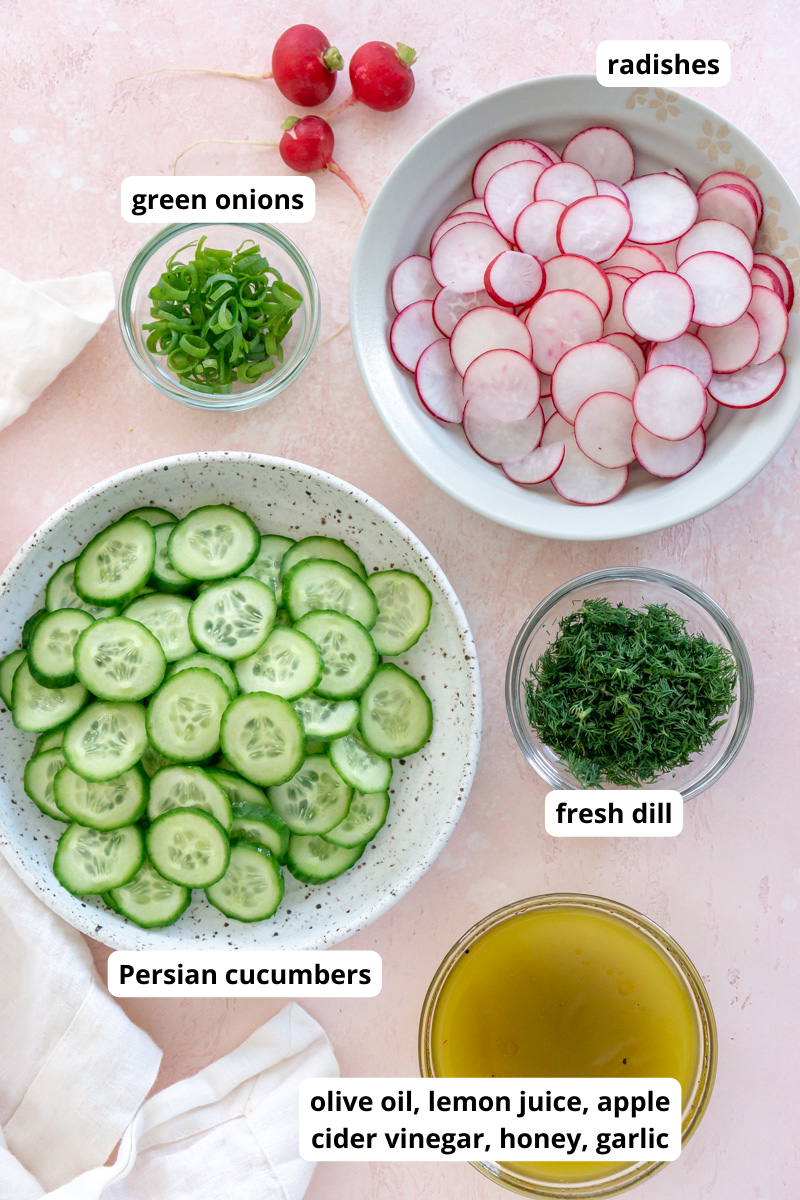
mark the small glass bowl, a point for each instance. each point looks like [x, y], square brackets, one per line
[633, 587]
[145, 271]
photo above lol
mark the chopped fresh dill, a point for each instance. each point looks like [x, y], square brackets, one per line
[624, 696]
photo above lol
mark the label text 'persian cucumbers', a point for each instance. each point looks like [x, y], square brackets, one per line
[288, 973]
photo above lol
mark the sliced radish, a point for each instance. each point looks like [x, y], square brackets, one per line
[604, 153]
[766, 277]
[603, 427]
[557, 322]
[663, 207]
[721, 286]
[666, 459]
[501, 155]
[733, 346]
[439, 383]
[463, 254]
[715, 235]
[630, 273]
[484, 329]
[535, 230]
[538, 466]
[412, 332]
[509, 191]
[514, 278]
[588, 369]
[413, 280]
[615, 319]
[665, 251]
[457, 219]
[730, 203]
[497, 440]
[564, 182]
[737, 180]
[450, 304]
[634, 256]
[475, 205]
[548, 151]
[504, 384]
[711, 412]
[778, 268]
[658, 306]
[686, 351]
[677, 172]
[573, 273]
[629, 345]
[556, 429]
[583, 481]
[594, 227]
[750, 387]
[769, 312]
[606, 188]
[670, 402]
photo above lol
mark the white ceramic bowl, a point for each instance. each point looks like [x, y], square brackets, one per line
[666, 130]
[428, 790]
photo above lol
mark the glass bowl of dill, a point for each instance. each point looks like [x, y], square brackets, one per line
[629, 677]
[219, 316]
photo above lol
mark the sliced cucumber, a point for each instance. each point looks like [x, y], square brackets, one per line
[318, 584]
[91, 861]
[252, 887]
[210, 663]
[183, 717]
[288, 664]
[119, 659]
[326, 719]
[349, 657]
[164, 577]
[150, 900]
[323, 547]
[213, 542]
[358, 765]
[167, 617]
[237, 790]
[404, 610]
[49, 740]
[314, 800]
[51, 657]
[261, 735]
[367, 815]
[36, 709]
[105, 740]
[30, 625]
[8, 669]
[396, 715]
[260, 824]
[282, 617]
[188, 847]
[154, 516]
[60, 593]
[117, 562]
[232, 618]
[152, 761]
[39, 780]
[188, 787]
[107, 805]
[313, 860]
[266, 566]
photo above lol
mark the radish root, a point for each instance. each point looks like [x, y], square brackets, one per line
[335, 169]
[348, 103]
[197, 70]
[219, 142]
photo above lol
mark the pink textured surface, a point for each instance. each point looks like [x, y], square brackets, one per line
[727, 889]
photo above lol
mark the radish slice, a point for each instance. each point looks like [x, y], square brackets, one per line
[502, 155]
[548, 151]
[629, 346]
[634, 256]
[686, 351]
[463, 254]
[603, 427]
[678, 173]
[458, 219]
[606, 188]
[670, 402]
[564, 182]
[594, 227]
[715, 235]
[475, 205]
[766, 277]
[535, 229]
[663, 207]
[449, 306]
[658, 306]
[630, 273]
[730, 203]
[497, 440]
[733, 346]
[588, 369]
[538, 466]
[615, 320]
[604, 152]
[721, 286]
[778, 268]
[585, 482]
[750, 387]
[485, 329]
[572, 273]
[509, 191]
[439, 383]
[514, 278]
[413, 280]
[711, 412]
[504, 385]
[412, 332]
[769, 312]
[557, 322]
[733, 177]
[666, 459]
[665, 251]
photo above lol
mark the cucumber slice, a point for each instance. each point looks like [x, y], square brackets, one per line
[60, 593]
[188, 787]
[326, 719]
[367, 815]
[154, 516]
[48, 741]
[36, 709]
[238, 790]
[119, 659]
[210, 663]
[150, 900]
[262, 737]
[117, 562]
[51, 657]
[282, 617]
[258, 823]
[213, 542]
[396, 715]
[358, 765]
[349, 657]
[105, 740]
[232, 618]
[164, 577]
[317, 584]
[107, 805]
[30, 625]
[288, 664]
[314, 800]
[8, 669]
[91, 861]
[188, 847]
[183, 717]
[404, 610]
[252, 887]
[313, 860]
[267, 564]
[152, 761]
[323, 547]
[39, 779]
[167, 617]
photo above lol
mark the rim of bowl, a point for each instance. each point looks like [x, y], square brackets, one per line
[260, 392]
[650, 575]
[138, 938]
[685, 969]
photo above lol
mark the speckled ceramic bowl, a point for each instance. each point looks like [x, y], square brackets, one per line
[428, 790]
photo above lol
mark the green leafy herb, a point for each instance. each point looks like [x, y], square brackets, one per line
[624, 696]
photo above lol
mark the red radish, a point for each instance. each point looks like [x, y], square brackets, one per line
[475, 205]
[686, 351]
[412, 332]
[733, 177]
[670, 402]
[594, 227]
[571, 272]
[634, 256]
[604, 152]
[307, 145]
[565, 183]
[503, 383]
[413, 280]
[629, 346]
[449, 306]
[658, 306]
[778, 268]
[603, 427]
[496, 439]
[663, 207]
[462, 254]
[606, 188]
[732, 346]
[439, 383]
[750, 387]
[381, 77]
[457, 219]
[538, 466]
[665, 459]
[713, 409]
[730, 203]
[501, 155]
[715, 235]
[535, 229]
[509, 191]
[766, 277]
[514, 278]
[585, 482]
[721, 287]
[485, 329]
[615, 319]
[547, 151]
[588, 369]
[769, 312]
[557, 322]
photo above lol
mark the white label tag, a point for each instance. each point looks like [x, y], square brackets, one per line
[244, 973]
[670, 64]
[217, 199]
[607, 813]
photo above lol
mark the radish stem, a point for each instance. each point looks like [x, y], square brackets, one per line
[219, 142]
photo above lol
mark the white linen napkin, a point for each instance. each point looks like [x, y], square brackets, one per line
[43, 327]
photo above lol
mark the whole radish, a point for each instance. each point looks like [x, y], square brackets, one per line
[307, 145]
[381, 77]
